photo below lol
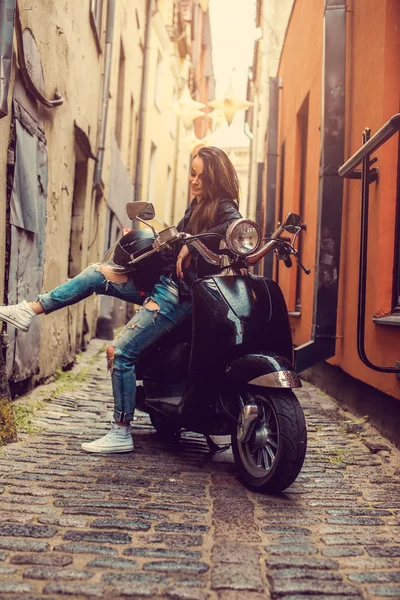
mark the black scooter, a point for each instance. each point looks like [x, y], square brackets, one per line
[227, 370]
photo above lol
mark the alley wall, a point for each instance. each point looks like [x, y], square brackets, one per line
[372, 93]
[86, 151]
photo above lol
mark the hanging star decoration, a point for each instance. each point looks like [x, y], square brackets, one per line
[230, 104]
[193, 141]
[217, 117]
[187, 109]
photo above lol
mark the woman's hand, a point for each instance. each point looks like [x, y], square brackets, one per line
[184, 258]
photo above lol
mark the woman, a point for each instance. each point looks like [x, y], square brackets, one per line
[214, 184]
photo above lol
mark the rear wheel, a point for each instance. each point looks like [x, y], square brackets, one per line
[163, 425]
[272, 456]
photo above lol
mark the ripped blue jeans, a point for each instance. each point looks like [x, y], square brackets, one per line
[90, 281]
[145, 328]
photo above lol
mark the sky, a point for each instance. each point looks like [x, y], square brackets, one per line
[233, 31]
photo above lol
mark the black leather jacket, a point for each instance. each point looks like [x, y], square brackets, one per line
[227, 213]
[148, 272]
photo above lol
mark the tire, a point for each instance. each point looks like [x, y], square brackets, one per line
[273, 457]
[164, 426]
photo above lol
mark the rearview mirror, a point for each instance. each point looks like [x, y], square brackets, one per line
[292, 223]
[144, 210]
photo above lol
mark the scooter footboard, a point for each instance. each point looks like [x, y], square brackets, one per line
[266, 371]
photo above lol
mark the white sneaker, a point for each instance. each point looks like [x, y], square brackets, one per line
[119, 439]
[17, 315]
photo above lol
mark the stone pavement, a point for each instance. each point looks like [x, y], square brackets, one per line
[175, 523]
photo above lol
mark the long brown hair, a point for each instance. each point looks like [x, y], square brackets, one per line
[220, 181]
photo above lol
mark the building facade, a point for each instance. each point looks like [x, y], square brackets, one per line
[271, 19]
[239, 157]
[86, 126]
[338, 84]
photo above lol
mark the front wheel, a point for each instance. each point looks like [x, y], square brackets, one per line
[272, 455]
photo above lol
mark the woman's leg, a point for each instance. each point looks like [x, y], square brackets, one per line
[95, 278]
[160, 314]
[71, 286]
[99, 279]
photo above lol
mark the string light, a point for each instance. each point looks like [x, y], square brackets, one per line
[193, 141]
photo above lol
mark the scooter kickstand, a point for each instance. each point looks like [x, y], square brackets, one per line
[214, 448]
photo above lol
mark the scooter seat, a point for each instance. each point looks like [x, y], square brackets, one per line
[168, 365]
[173, 401]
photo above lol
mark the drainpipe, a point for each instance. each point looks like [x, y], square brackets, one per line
[102, 127]
[246, 211]
[175, 173]
[9, 8]
[259, 208]
[330, 194]
[272, 160]
[143, 102]
[8, 430]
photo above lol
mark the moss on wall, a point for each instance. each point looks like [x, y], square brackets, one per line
[8, 430]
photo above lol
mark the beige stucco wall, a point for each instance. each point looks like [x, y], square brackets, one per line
[163, 130]
[182, 185]
[273, 23]
[240, 156]
[73, 65]
[129, 36]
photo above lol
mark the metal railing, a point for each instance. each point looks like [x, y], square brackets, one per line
[373, 143]
[367, 175]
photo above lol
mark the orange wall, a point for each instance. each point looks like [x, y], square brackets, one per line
[372, 97]
[300, 71]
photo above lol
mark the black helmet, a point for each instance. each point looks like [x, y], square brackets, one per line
[131, 245]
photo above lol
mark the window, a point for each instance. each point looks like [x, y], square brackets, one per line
[168, 198]
[75, 259]
[120, 96]
[173, 118]
[158, 88]
[96, 10]
[152, 181]
[131, 137]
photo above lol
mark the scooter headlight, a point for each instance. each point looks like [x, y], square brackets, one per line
[243, 236]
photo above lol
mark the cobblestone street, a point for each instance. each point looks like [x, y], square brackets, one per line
[175, 523]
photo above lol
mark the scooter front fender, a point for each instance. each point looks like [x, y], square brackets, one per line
[263, 370]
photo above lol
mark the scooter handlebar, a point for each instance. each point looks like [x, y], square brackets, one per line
[205, 252]
[171, 237]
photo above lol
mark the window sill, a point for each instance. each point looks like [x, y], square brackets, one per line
[392, 320]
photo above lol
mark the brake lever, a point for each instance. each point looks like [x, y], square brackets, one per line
[306, 271]
[288, 261]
